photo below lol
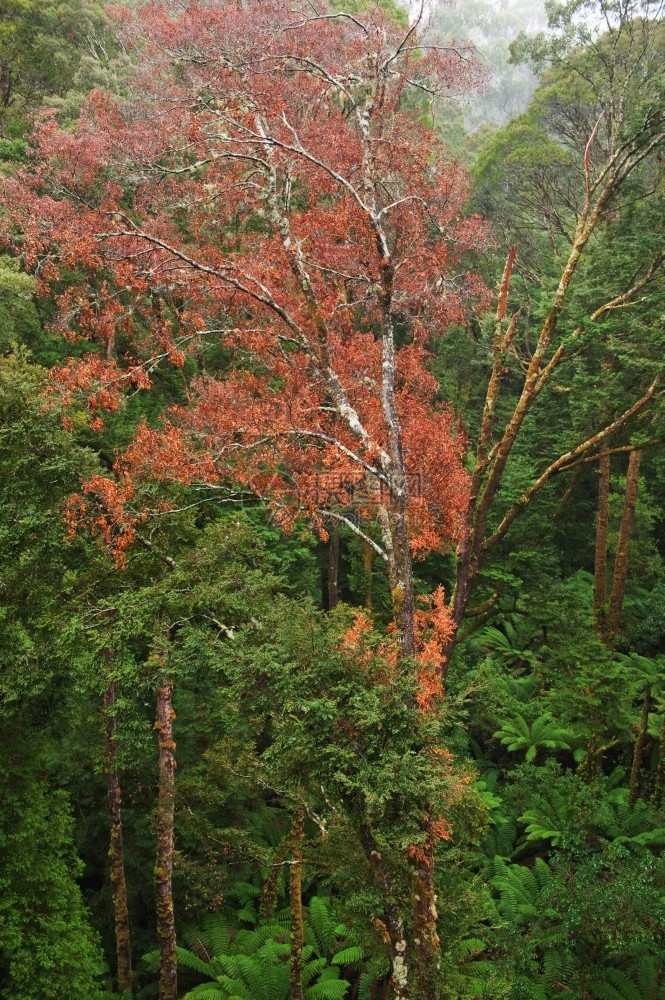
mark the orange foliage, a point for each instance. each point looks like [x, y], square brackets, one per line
[302, 222]
[434, 627]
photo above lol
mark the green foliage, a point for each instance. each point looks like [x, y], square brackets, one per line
[47, 947]
[49, 51]
[254, 964]
[544, 732]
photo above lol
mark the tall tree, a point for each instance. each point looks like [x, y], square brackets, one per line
[116, 846]
[168, 968]
[556, 181]
[322, 231]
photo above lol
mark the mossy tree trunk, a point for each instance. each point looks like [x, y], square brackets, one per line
[623, 544]
[368, 565]
[333, 569]
[116, 851]
[600, 562]
[659, 781]
[393, 925]
[295, 896]
[168, 969]
[638, 749]
[427, 958]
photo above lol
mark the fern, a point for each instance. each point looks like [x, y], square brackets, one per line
[365, 982]
[517, 734]
[521, 890]
[616, 985]
[254, 965]
[348, 956]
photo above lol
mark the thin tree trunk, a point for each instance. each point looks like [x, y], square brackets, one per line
[639, 749]
[659, 782]
[427, 955]
[491, 459]
[368, 560]
[123, 943]
[600, 561]
[295, 896]
[623, 543]
[401, 579]
[333, 569]
[394, 925]
[271, 884]
[168, 970]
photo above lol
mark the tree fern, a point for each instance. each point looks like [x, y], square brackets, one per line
[544, 732]
[510, 646]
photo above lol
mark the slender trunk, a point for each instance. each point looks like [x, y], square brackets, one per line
[659, 783]
[168, 969]
[295, 896]
[333, 569]
[491, 460]
[600, 562]
[427, 955]
[401, 580]
[623, 543]
[368, 560]
[116, 853]
[594, 754]
[271, 884]
[393, 922]
[639, 749]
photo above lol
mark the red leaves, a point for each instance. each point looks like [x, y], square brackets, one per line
[99, 382]
[267, 181]
[105, 514]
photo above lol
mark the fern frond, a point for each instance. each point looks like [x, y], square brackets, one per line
[330, 989]
[348, 956]
[188, 960]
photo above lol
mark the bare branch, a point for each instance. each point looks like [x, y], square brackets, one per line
[564, 461]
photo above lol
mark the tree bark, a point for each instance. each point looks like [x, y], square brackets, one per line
[116, 853]
[271, 885]
[600, 561]
[639, 749]
[368, 560]
[659, 782]
[295, 896]
[401, 578]
[427, 956]
[393, 922]
[333, 569]
[623, 544]
[168, 970]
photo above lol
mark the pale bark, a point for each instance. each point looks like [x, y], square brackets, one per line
[394, 925]
[491, 459]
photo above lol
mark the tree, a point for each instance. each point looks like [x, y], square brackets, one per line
[44, 46]
[558, 182]
[312, 243]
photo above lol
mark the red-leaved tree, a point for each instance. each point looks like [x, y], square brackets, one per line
[273, 183]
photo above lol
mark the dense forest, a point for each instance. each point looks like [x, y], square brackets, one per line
[332, 427]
